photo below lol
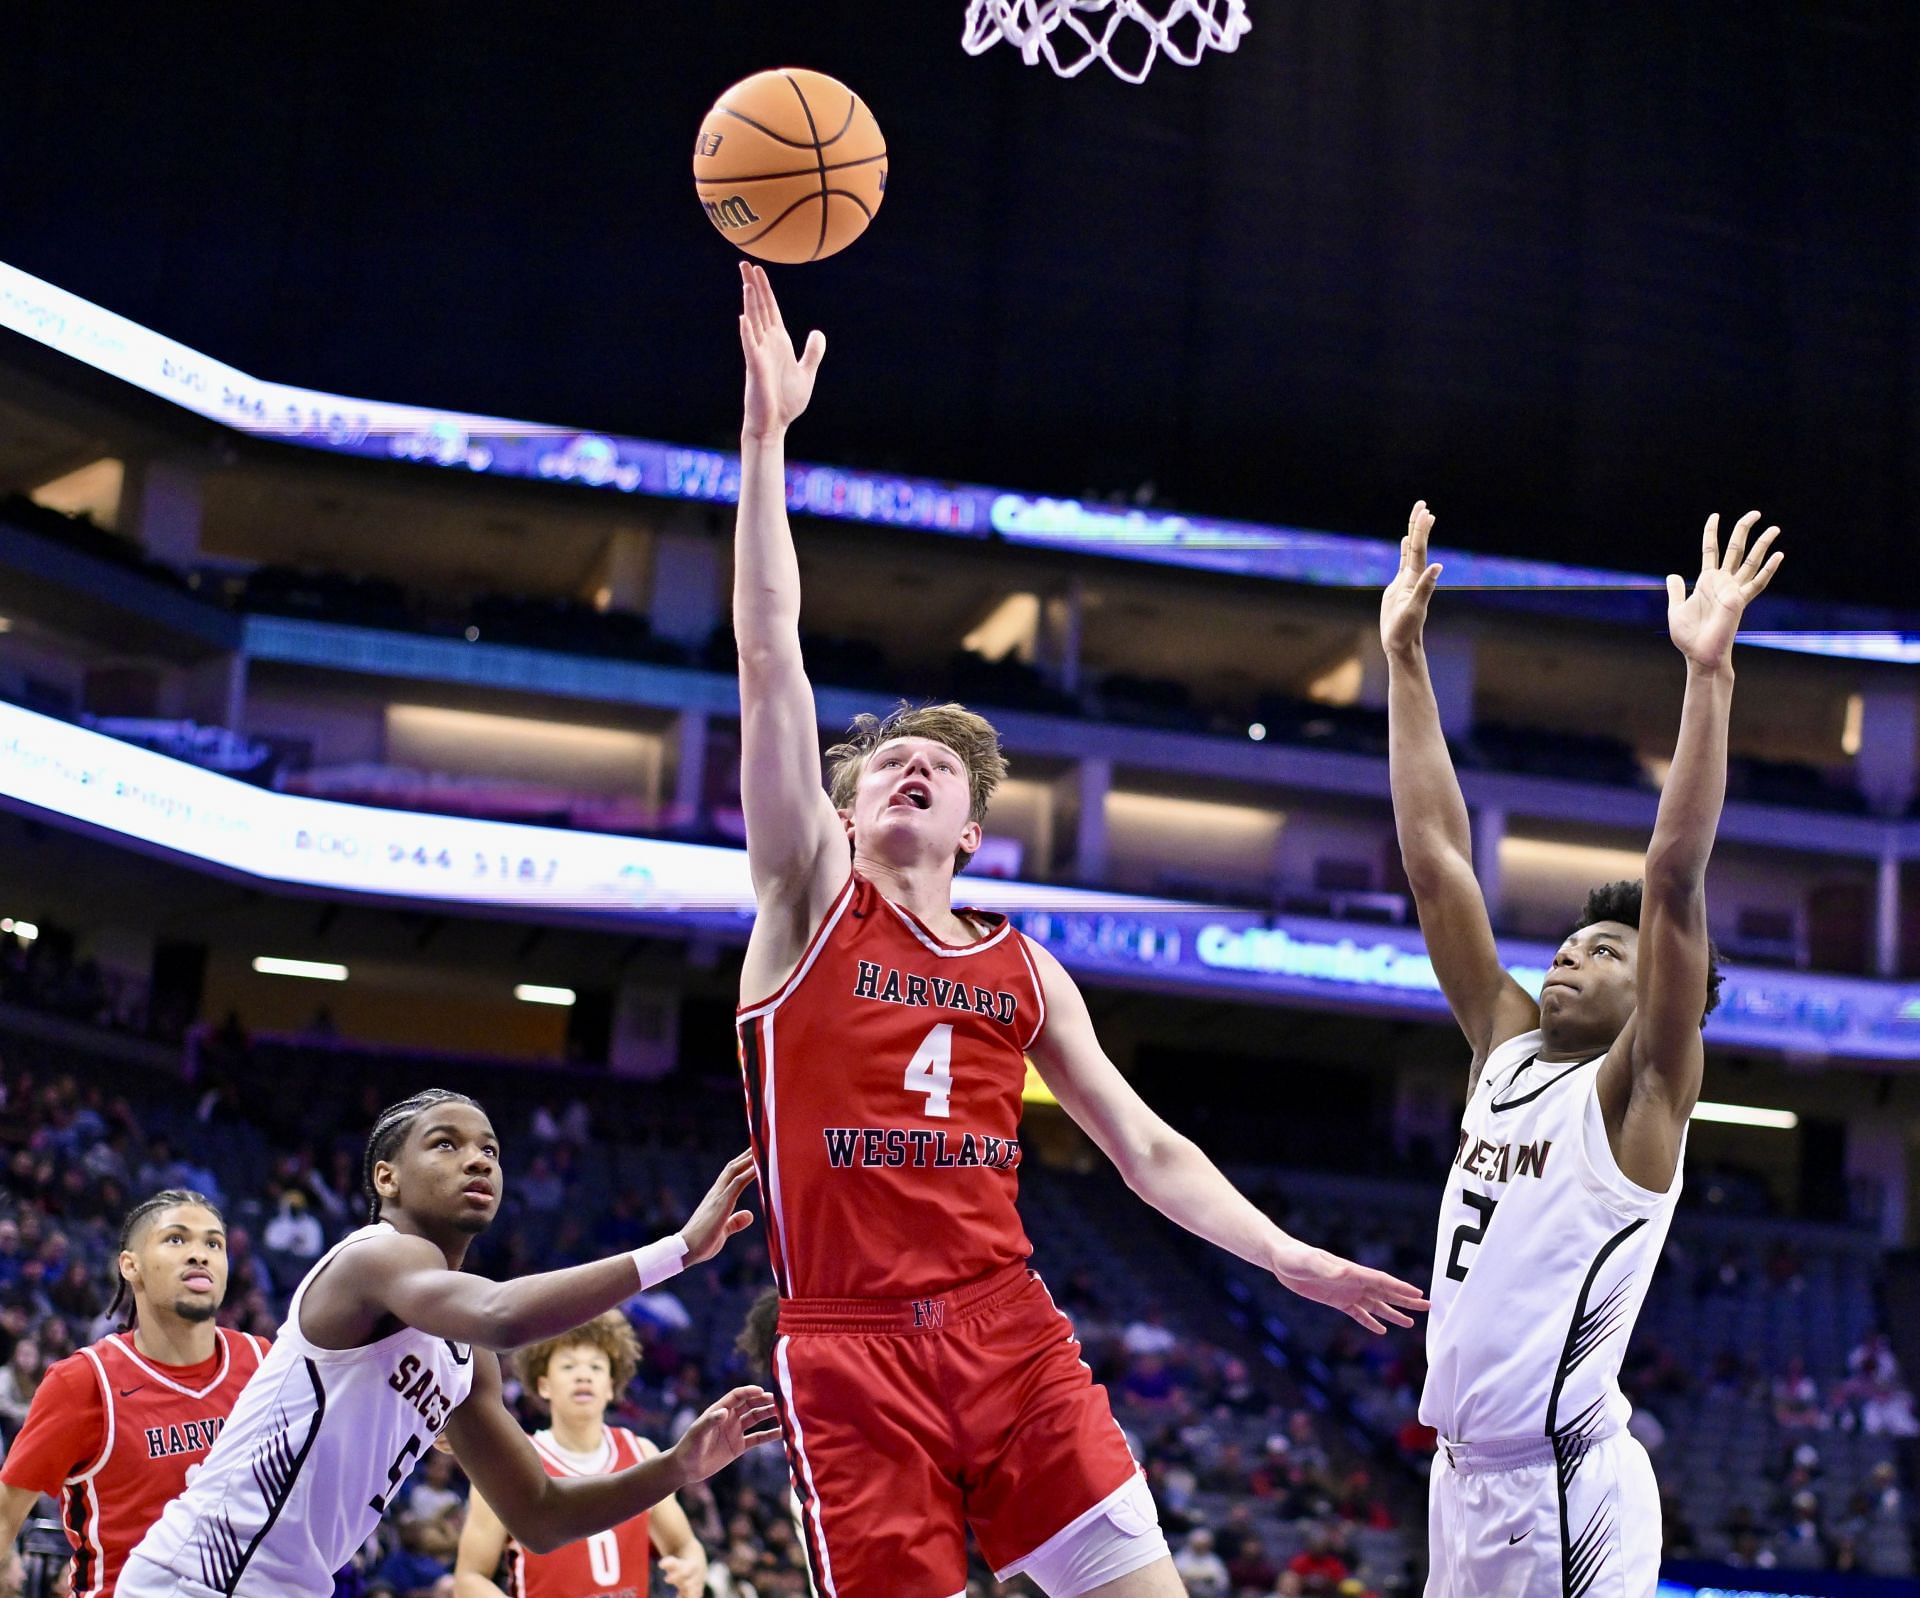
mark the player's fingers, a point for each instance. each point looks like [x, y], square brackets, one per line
[1737, 544]
[1408, 1297]
[1676, 591]
[1397, 1317]
[1428, 579]
[815, 351]
[1359, 1313]
[1757, 555]
[739, 1221]
[1710, 544]
[1758, 585]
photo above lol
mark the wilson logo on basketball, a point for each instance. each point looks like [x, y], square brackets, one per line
[731, 212]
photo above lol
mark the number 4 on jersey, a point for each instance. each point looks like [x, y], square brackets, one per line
[930, 1071]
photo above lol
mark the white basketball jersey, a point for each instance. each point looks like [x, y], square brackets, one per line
[1544, 1254]
[318, 1444]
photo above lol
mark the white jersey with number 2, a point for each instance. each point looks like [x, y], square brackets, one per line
[1543, 1258]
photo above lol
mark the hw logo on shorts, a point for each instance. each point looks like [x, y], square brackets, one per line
[929, 1312]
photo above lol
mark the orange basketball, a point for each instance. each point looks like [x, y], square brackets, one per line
[790, 165]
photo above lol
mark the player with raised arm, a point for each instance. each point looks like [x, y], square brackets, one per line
[115, 1427]
[578, 1375]
[926, 1381]
[1570, 1153]
[383, 1352]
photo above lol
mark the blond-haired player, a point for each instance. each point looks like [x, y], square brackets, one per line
[926, 1381]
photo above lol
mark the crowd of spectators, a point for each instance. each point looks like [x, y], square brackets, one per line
[1265, 1485]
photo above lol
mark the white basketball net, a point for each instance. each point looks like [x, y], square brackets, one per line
[1129, 35]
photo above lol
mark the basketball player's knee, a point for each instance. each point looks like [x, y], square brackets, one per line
[1124, 1536]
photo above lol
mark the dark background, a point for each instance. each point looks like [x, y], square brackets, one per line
[1576, 272]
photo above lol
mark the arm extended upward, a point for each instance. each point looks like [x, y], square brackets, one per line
[796, 847]
[1430, 815]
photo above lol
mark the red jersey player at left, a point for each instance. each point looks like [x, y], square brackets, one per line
[578, 1375]
[115, 1428]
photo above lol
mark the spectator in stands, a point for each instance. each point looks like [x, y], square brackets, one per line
[294, 1233]
[19, 1381]
[10, 1256]
[1796, 1398]
[1872, 1364]
[1803, 1546]
[1251, 1569]
[1678, 1538]
[1888, 1412]
[573, 1125]
[1150, 1334]
[160, 1169]
[74, 1295]
[1749, 1549]
[1201, 1568]
[432, 1494]
[1319, 1565]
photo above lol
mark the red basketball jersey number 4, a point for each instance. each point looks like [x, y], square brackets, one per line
[930, 1071]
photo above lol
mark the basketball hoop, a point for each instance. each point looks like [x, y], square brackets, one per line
[1089, 31]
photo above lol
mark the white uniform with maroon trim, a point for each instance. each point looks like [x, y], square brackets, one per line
[1544, 1255]
[318, 1445]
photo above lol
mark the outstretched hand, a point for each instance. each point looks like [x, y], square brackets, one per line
[743, 1419]
[1403, 606]
[1371, 1297]
[1702, 624]
[716, 1219]
[779, 383]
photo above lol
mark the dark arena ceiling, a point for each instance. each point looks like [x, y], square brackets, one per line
[1576, 273]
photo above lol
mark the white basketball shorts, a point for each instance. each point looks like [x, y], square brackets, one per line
[1508, 1520]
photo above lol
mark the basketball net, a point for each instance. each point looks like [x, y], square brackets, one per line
[1088, 31]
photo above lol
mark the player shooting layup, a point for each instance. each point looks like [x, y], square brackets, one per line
[926, 1381]
[1570, 1151]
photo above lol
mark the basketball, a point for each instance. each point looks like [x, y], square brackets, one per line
[790, 165]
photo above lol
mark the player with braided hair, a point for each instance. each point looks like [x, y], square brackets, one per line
[115, 1428]
[382, 1354]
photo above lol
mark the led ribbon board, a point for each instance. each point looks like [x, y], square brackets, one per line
[53, 768]
[498, 447]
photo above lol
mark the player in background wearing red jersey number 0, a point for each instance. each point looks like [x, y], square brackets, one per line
[578, 1376]
[926, 1381]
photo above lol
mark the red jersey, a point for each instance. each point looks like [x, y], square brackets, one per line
[114, 1434]
[609, 1564]
[883, 1088]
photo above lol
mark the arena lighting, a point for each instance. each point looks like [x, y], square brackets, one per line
[534, 993]
[53, 770]
[1746, 1115]
[499, 447]
[25, 931]
[318, 970]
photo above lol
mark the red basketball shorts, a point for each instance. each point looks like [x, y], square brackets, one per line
[908, 1420]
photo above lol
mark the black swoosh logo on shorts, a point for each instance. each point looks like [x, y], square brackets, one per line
[128, 1392]
[1521, 1538]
